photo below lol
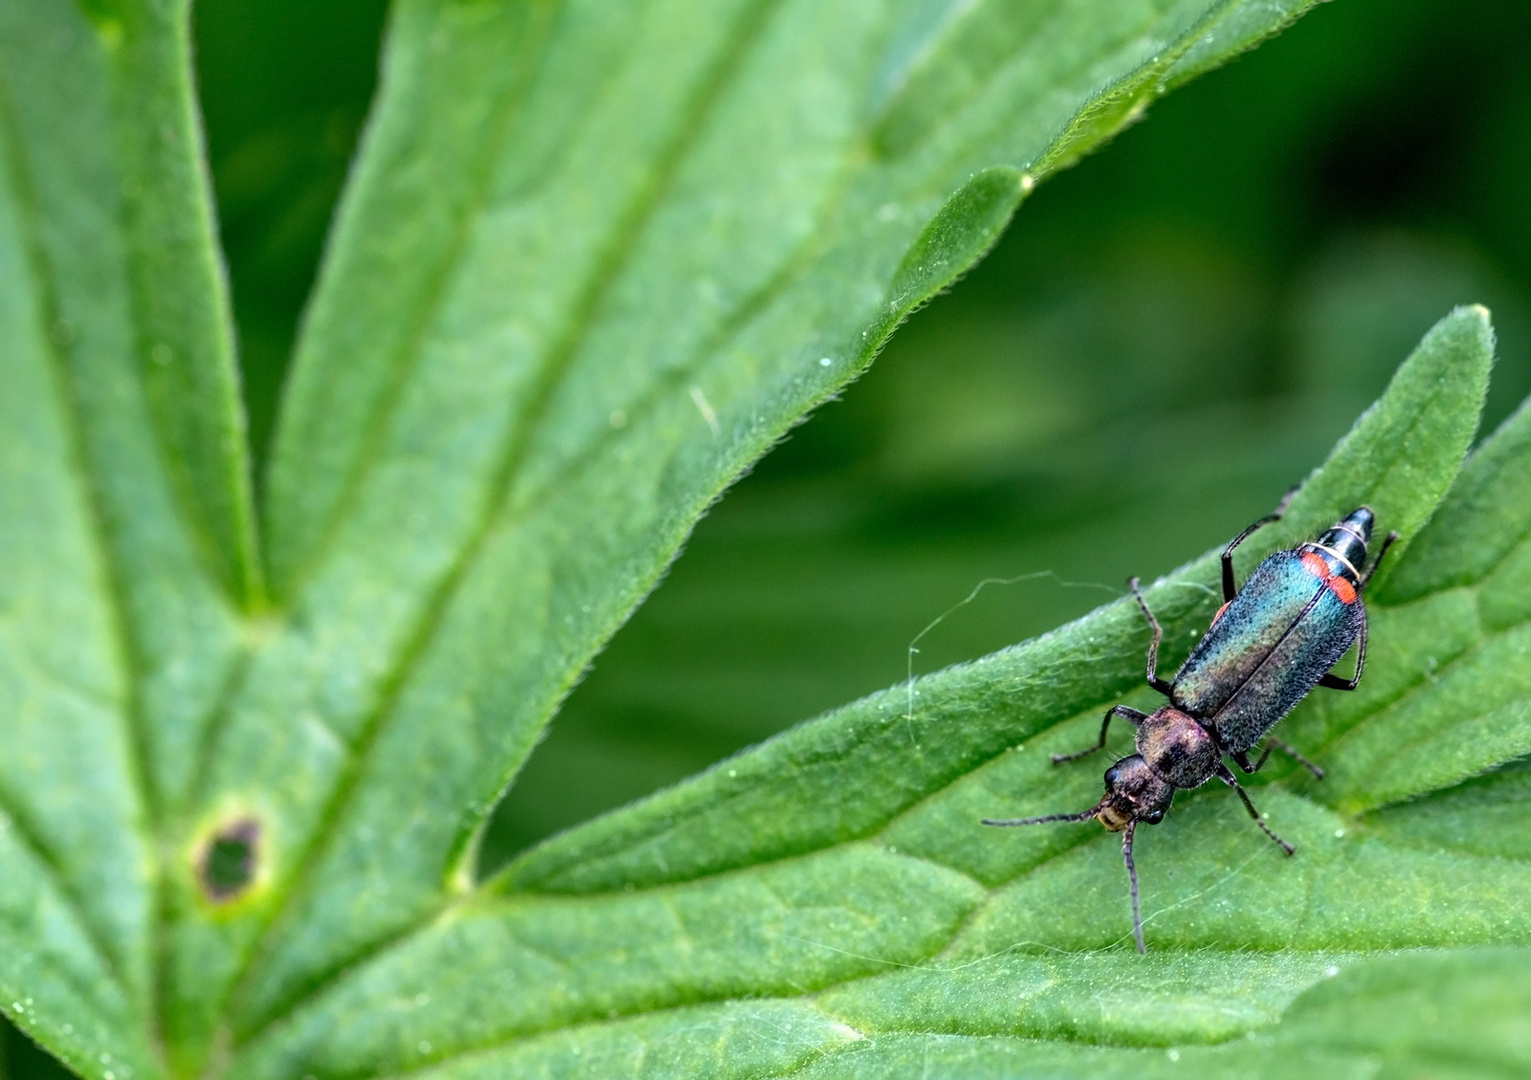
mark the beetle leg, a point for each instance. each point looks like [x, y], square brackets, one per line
[1132, 883]
[1333, 681]
[1241, 759]
[1230, 587]
[1153, 646]
[1228, 778]
[1116, 710]
[1271, 742]
[1387, 542]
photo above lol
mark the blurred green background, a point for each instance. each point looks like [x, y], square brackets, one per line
[1168, 336]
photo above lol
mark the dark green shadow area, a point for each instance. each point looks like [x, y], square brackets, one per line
[285, 88]
[23, 1059]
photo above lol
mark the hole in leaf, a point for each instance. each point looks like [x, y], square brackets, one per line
[229, 860]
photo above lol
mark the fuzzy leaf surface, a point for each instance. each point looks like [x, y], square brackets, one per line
[126, 523]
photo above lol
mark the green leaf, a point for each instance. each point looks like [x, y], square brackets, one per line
[125, 514]
[839, 878]
[1453, 1014]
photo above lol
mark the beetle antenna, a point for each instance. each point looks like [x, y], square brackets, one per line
[1083, 815]
[1132, 879]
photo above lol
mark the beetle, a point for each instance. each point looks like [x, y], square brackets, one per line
[1270, 643]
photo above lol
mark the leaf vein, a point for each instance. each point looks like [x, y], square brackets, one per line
[128, 711]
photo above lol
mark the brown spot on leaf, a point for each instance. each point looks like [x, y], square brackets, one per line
[228, 862]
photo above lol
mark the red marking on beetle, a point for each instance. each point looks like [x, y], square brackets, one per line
[1219, 614]
[1343, 589]
[1316, 565]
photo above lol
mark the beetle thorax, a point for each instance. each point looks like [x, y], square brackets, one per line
[1178, 748]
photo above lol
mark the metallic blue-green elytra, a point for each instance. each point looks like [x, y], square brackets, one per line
[1296, 615]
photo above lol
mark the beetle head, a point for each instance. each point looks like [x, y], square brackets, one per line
[1134, 792]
